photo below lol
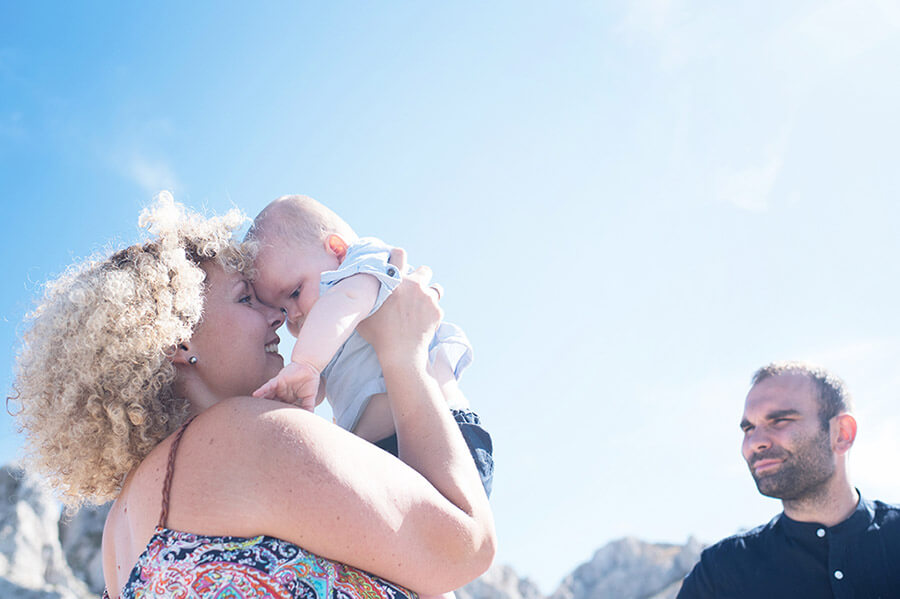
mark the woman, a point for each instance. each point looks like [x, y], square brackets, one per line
[134, 383]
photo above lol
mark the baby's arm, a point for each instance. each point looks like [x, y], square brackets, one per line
[333, 318]
[330, 322]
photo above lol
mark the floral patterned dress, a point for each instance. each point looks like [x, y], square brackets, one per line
[184, 565]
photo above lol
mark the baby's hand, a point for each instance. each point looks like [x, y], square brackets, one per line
[297, 383]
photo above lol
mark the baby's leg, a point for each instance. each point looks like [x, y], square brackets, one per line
[450, 595]
[442, 372]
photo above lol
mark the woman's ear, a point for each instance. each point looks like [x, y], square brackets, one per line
[182, 355]
[846, 432]
[335, 244]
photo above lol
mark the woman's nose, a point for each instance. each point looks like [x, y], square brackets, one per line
[276, 317]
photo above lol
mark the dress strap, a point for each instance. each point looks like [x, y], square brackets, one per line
[170, 470]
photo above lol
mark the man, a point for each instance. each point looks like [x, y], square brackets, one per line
[829, 541]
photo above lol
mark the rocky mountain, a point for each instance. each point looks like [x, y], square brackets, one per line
[631, 569]
[500, 582]
[45, 557]
[32, 563]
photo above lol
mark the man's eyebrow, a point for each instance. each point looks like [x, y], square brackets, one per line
[774, 415]
[782, 413]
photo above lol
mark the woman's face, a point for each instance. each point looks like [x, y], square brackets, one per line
[235, 342]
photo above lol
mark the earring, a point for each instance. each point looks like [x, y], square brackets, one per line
[192, 360]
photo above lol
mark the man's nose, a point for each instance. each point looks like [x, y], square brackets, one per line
[757, 439]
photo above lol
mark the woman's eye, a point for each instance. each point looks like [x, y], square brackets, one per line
[295, 294]
[247, 299]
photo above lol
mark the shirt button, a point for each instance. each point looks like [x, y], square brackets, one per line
[820, 533]
[838, 574]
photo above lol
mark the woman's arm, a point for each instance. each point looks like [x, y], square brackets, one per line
[251, 467]
[417, 403]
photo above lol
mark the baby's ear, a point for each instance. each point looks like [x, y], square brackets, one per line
[335, 244]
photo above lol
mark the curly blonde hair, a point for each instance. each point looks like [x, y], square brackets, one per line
[93, 382]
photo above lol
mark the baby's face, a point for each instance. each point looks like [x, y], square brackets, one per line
[288, 277]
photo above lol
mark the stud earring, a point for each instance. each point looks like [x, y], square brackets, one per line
[192, 360]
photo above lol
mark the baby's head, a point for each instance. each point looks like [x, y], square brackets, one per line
[298, 240]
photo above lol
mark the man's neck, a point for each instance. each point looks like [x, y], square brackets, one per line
[830, 505]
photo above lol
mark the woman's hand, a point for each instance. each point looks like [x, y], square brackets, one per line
[402, 328]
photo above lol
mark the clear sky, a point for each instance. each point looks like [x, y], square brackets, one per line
[631, 205]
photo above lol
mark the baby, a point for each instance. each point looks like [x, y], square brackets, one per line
[327, 280]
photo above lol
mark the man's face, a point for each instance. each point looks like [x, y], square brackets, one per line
[789, 453]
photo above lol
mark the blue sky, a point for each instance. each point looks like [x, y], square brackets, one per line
[631, 205]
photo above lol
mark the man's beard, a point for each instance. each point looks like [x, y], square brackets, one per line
[801, 474]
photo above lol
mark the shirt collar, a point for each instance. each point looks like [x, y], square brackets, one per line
[858, 521]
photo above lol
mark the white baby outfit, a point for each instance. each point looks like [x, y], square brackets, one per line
[354, 375]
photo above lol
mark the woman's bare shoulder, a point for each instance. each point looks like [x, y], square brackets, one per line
[220, 433]
[251, 420]
[244, 467]
[223, 443]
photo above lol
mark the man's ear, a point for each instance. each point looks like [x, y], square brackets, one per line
[844, 428]
[335, 244]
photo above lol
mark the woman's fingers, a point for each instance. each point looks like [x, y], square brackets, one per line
[398, 259]
[421, 275]
[407, 317]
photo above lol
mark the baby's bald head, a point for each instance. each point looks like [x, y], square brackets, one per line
[298, 219]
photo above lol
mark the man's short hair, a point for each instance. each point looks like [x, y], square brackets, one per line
[833, 396]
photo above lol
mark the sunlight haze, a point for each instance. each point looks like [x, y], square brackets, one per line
[630, 205]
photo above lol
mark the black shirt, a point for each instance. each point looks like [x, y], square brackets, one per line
[856, 559]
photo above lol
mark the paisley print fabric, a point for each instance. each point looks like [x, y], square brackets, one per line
[182, 565]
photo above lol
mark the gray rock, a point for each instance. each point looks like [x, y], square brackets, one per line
[11, 590]
[631, 569]
[80, 537]
[670, 592]
[30, 553]
[500, 582]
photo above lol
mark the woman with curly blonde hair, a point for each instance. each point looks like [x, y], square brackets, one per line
[153, 352]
